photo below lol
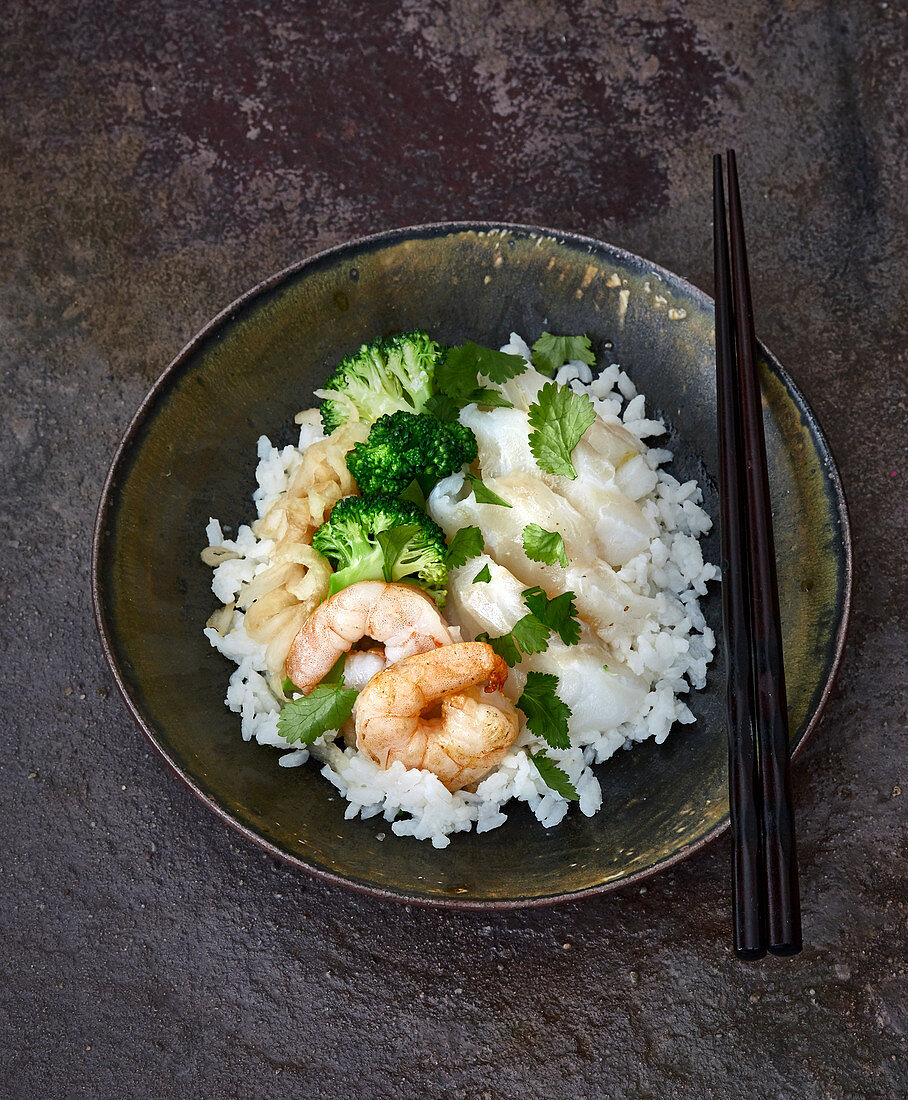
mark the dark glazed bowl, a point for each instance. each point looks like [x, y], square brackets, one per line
[190, 454]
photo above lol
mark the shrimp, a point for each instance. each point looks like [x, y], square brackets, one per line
[400, 616]
[466, 740]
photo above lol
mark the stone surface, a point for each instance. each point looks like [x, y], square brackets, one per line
[158, 159]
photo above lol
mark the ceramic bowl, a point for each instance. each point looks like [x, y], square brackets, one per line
[190, 453]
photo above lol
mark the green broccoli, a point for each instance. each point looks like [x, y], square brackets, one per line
[383, 538]
[385, 375]
[403, 446]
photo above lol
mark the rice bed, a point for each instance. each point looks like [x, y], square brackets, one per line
[669, 654]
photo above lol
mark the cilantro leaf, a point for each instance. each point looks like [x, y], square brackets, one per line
[546, 715]
[560, 418]
[484, 494]
[559, 613]
[531, 635]
[457, 374]
[473, 359]
[553, 777]
[458, 383]
[444, 407]
[448, 408]
[488, 398]
[467, 543]
[393, 542]
[551, 352]
[503, 646]
[483, 576]
[544, 546]
[498, 366]
[415, 495]
[325, 708]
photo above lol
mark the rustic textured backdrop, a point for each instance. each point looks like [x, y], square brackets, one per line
[158, 159]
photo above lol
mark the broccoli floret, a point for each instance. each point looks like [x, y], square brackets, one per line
[402, 446]
[385, 375]
[383, 538]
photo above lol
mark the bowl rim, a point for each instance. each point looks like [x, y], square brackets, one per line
[387, 237]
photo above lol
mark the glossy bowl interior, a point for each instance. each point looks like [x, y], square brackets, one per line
[190, 454]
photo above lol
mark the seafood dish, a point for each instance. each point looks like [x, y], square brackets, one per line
[469, 582]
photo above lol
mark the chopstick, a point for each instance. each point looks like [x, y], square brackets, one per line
[748, 885]
[766, 906]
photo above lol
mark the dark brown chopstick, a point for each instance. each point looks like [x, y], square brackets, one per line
[765, 886]
[748, 884]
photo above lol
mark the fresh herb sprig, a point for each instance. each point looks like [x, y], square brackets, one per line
[559, 613]
[484, 494]
[325, 708]
[559, 418]
[465, 544]
[554, 777]
[459, 379]
[530, 634]
[544, 546]
[447, 408]
[551, 352]
[458, 374]
[546, 714]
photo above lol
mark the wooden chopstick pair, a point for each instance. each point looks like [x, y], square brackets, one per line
[766, 904]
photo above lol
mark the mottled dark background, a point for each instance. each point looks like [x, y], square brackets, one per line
[157, 160]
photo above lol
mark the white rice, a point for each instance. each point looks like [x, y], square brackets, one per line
[671, 653]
